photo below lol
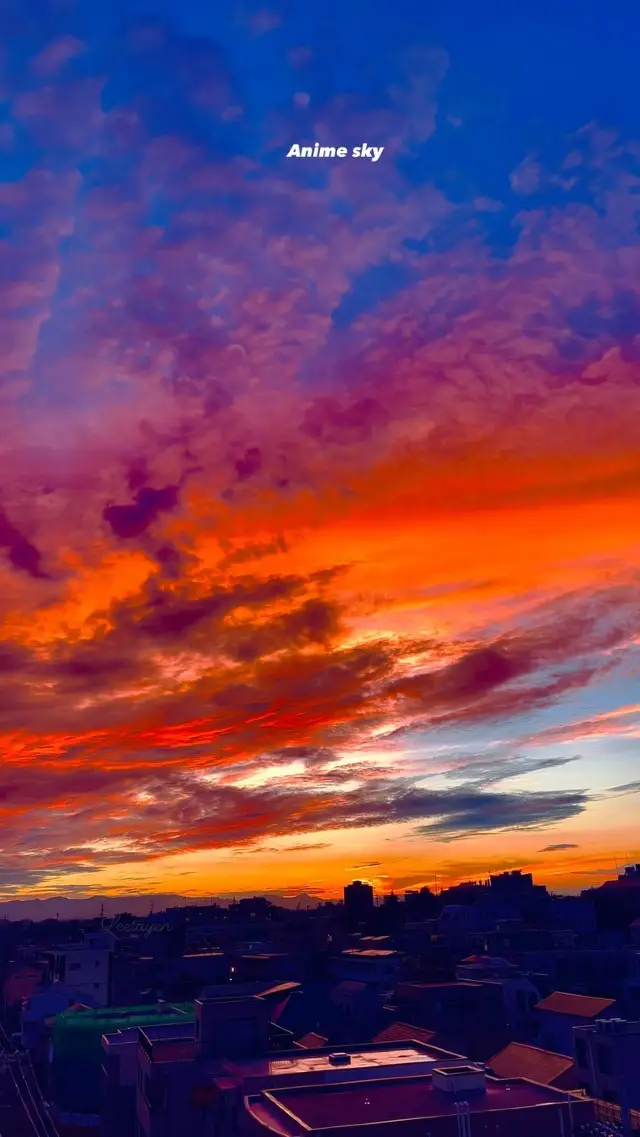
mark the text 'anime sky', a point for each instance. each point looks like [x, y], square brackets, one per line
[320, 480]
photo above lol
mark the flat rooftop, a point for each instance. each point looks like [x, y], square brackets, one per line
[369, 953]
[314, 1108]
[317, 1065]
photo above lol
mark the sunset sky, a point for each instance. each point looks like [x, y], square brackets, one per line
[320, 493]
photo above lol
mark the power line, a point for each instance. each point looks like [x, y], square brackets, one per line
[43, 1126]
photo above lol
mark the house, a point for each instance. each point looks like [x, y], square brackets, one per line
[556, 1016]
[545, 1067]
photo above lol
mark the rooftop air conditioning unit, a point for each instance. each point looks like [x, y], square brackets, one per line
[340, 1059]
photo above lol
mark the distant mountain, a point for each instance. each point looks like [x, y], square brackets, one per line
[90, 907]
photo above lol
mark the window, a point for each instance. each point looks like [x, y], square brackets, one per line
[580, 1051]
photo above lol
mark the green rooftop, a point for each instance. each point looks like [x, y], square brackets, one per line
[77, 1047]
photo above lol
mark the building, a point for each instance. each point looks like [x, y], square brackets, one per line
[87, 966]
[479, 967]
[358, 1010]
[21, 982]
[448, 1101]
[190, 1083]
[267, 966]
[518, 1060]
[607, 1057]
[560, 1012]
[77, 1053]
[358, 901]
[468, 1017]
[38, 1013]
[182, 1070]
[377, 967]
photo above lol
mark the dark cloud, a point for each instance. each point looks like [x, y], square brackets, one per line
[627, 788]
[129, 521]
[485, 771]
[328, 421]
[306, 847]
[228, 815]
[558, 848]
[464, 815]
[22, 554]
[249, 464]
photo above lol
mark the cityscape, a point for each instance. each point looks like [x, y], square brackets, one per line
[478, 1009]
[319, 568]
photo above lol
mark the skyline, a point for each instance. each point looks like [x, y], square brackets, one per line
[320, 480]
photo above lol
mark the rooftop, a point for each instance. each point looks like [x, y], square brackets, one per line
[404, 1032]
[369, 1057]
[580, 1006]
[408, 986]
[369, 953]
[311, 1041]
[520, 1061]
[111, 1019]
[201, 955]
[304, 1108]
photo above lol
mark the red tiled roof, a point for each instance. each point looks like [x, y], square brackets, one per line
[311, 1040]
[520, 1061]
[404, 1032]
[582, 1006]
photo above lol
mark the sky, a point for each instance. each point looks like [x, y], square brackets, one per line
[320, 479]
